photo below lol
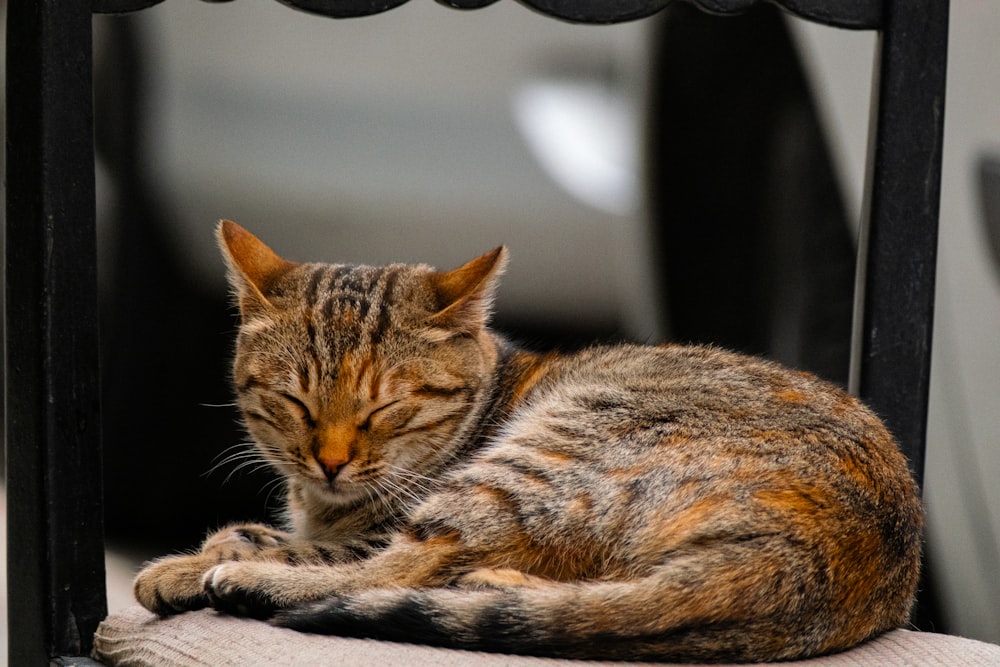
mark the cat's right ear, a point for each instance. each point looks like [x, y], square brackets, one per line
[465, 295]
[253, 267]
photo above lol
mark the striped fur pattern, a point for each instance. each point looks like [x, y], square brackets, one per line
[627, 502]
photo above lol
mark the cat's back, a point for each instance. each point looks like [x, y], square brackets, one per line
[643, 394]
[634, 431]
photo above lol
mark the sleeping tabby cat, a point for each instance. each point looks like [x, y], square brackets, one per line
[626, 502]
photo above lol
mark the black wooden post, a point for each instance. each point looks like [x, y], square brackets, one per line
[54, 522]
[898, 245]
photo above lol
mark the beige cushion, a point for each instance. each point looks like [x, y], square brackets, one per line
[136, 637]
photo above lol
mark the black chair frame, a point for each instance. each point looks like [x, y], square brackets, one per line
[53, 441]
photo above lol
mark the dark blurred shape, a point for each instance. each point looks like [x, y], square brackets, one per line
[166, 344]
[989, 192]
[750, 230]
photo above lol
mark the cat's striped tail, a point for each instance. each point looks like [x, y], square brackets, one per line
[596, 620]
[504, 621]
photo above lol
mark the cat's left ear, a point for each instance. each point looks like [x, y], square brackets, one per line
[465, 295]
[254, 268]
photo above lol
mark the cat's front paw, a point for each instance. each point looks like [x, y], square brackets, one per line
[171, 585]
[242, 541]
[174, 584]
[259, 589]
[226, 591]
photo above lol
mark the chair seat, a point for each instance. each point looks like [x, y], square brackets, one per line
[134, 636]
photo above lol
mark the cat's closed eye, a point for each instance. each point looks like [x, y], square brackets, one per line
[375, 413]
[300, 409]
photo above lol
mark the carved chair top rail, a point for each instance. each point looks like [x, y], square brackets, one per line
[857, 14]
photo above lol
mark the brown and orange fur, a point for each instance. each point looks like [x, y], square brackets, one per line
[626, 502]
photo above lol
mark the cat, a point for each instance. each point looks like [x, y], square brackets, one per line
[627, 502]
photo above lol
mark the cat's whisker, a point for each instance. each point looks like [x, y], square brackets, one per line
[255, 465]
[394, 490]
[424, 484]
[235, 459]
[392, 493]
[250, 458]
[406, 472]
[228, 461]
[403, 490]
[272, 485]
[384, 500]
[419, 483]
[273, 456]
[224, 459]
[241, 446]
[371, 494]
[381, 491]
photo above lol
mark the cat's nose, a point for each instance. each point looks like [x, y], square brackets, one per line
[333, 448]
[331, 465]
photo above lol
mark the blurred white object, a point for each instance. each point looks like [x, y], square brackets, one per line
[585, 135]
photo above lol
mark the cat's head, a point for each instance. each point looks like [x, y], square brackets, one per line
[350, 375]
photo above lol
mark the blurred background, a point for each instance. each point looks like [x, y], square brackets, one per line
[685, 177]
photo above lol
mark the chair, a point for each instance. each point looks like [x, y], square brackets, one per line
[55, 557]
